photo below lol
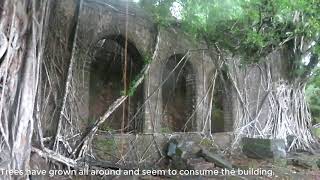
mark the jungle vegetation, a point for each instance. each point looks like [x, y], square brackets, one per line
[252, 29]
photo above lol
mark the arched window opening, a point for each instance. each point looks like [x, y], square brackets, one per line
[178, 95]
[108, 79]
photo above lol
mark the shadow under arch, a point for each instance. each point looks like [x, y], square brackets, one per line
[221, 112]
[178, 95]
[108, 81]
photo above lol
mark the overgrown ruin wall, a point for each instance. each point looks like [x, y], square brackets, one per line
[98, 21]
[69, 72]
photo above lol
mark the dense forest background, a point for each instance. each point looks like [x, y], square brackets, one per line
[313, 93]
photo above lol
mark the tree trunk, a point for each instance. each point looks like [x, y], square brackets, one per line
[21, 31]
[268, 104]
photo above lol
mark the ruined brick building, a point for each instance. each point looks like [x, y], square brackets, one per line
[166, 98]
[176, 96]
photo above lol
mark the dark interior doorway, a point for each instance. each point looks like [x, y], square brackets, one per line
[178, 95]
[108, 81]
[222, 106]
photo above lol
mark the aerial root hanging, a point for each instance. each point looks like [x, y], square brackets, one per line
[288, 113]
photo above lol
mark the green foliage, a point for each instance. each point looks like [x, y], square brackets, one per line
[106, 127]
[316, 132]
[313, 94]
[106, 145]
[250, 28]
[166, 130]
[159, 9]
[206, 142]
[147, 58]
[132, 88]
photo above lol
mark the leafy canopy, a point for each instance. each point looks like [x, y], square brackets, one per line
[252, 28]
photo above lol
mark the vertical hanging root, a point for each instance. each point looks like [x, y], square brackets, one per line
[288, 113]
[296, 117]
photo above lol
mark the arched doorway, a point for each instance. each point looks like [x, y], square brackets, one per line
[217, 115]
[112, 71]
[178, 95]
[221, 106]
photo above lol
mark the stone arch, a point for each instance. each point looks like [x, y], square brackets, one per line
[178, 94]
[98, 21]
[108, 80]
[140, 27]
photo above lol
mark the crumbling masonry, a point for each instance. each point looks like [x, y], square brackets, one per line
[176, 94]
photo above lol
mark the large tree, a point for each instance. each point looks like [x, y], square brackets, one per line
[21, 48]
[267, 50]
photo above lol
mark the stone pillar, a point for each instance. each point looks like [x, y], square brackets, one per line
[153, 98]
[203, 66]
